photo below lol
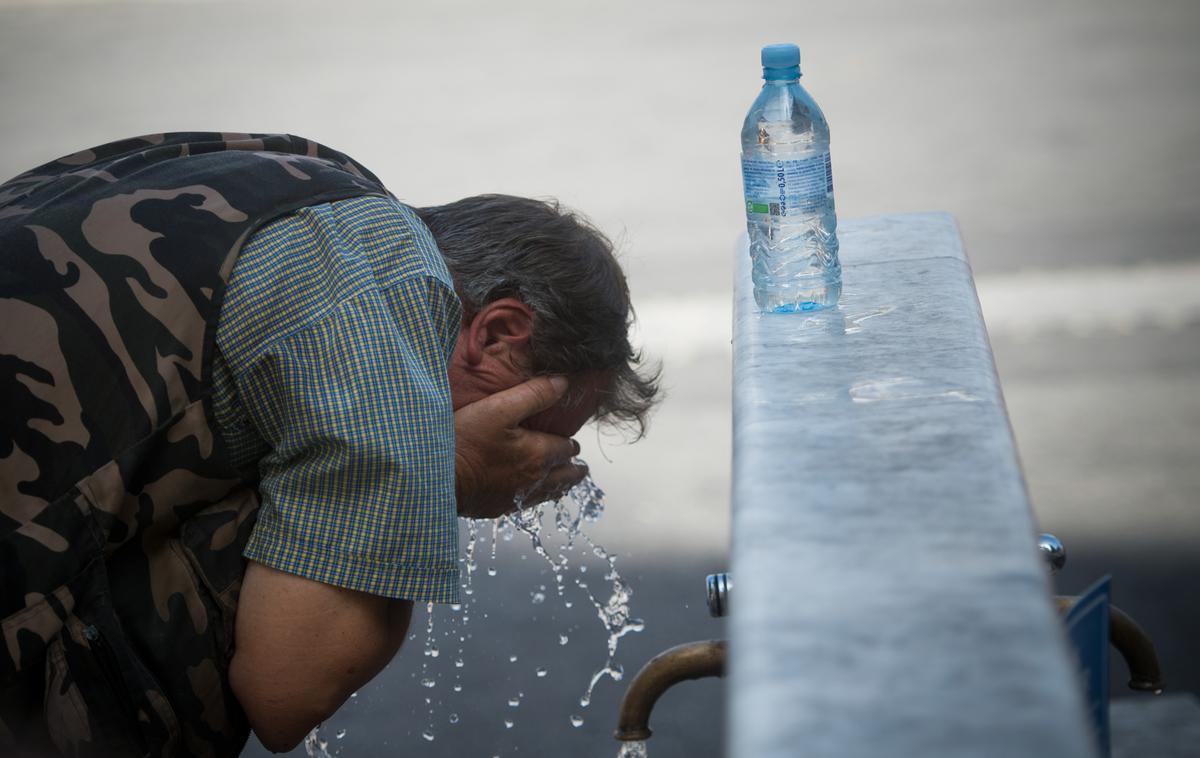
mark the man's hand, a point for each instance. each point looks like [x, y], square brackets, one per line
[496, 459]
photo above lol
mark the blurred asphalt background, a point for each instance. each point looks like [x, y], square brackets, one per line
[1065, 137]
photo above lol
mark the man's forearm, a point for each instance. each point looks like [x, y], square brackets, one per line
[302, 647]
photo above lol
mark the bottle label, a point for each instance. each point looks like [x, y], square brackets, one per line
[787, 187]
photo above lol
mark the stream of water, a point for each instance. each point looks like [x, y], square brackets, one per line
[556, 534]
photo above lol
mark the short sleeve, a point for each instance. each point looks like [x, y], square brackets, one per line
[350, 394]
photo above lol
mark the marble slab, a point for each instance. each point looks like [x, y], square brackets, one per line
[888, 599]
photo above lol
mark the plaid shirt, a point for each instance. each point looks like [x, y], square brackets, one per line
[330, 378]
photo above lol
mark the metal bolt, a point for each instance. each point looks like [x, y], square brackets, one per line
[1053, 551]
[719, 586]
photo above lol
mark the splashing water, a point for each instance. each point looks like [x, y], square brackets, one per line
[426, 681]
[614, 614]
[634, 749]
[469, 556]
[463, 610]
[582, 505]
[314, 746]
[495, 532]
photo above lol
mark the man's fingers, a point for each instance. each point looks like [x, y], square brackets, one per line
[563, 478]
[529, 398]
[551, 449]
[557, 482]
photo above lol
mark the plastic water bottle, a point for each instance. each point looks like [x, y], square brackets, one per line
[789, 192]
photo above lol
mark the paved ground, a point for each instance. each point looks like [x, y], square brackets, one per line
[1063, 136]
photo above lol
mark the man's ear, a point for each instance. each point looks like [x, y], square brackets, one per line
[499, 327]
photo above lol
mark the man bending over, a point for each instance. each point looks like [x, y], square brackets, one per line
[247, 392]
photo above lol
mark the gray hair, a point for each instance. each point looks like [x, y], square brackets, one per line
[563, 268]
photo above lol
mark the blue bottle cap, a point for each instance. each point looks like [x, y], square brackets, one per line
[781, 61]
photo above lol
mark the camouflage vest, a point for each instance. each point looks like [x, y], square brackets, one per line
[122, 520]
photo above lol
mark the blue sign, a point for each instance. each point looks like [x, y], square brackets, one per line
[1087, 627]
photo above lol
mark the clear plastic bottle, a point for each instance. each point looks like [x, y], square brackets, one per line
[789, 192]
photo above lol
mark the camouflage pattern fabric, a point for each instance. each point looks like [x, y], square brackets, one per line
[122, 520]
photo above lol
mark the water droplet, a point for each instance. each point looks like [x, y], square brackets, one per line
[458, 663]
[508, 723]
[512, 659]
[353, 694]
[582, 569]
[458, 688]
[562, 639]
[428, 735]
[569, 604]
[539, 598]
[513, 702]
[453, 718]
[492, 571]
[340, 734]
[541, 672]
[585, 701]
[576, 721]
[434, 652]
[428, 683]
[456, 607]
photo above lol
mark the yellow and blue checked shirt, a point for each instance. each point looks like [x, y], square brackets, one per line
[330, 378]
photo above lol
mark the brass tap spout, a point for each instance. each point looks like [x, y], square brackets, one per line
[1133, 644]
[693, 660]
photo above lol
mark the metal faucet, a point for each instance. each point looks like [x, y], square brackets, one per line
[693, 660]
[1132, 643]
[1126, 636]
